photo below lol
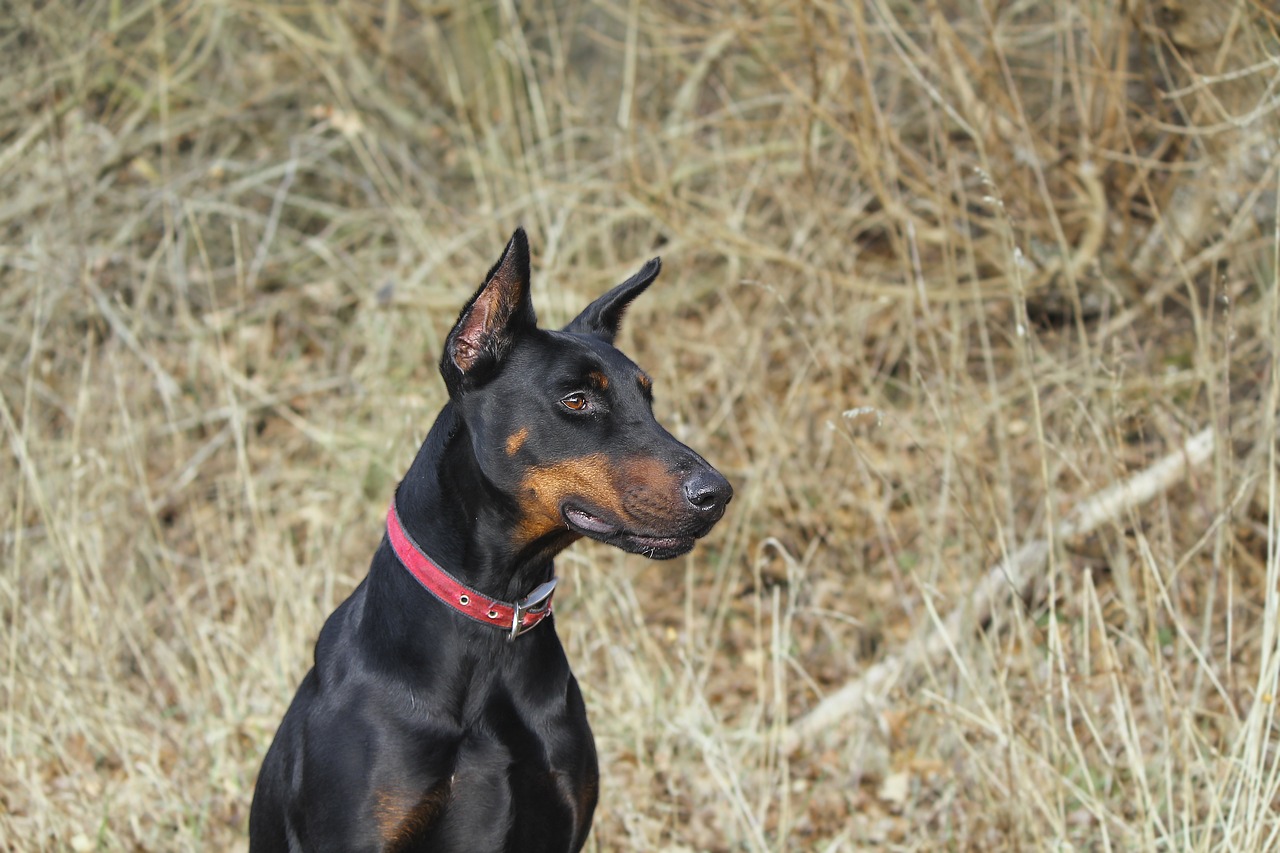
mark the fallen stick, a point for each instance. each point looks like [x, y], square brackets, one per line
[1006, 578]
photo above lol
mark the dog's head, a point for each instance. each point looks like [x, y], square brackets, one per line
[561, 422]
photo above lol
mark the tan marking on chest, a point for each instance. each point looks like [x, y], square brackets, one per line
[588, 794]
[403, 814]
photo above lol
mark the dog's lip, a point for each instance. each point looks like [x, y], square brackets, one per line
[656, 547]
[585, 522]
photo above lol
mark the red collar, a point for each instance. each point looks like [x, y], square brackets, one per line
[518, 618]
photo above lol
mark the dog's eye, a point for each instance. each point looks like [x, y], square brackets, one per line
[576, 401]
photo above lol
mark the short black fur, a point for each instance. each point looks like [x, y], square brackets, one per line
[418, 729]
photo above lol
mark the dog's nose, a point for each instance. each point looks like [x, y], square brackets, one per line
[707, 491]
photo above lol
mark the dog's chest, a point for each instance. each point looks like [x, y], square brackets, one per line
[503, 793]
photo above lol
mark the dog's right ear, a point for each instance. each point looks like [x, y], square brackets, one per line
[603, 317]
[491, 321]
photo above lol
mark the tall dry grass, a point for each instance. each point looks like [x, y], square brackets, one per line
[937, 274]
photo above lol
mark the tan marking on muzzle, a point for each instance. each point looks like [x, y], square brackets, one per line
[651, 493]
[635, 493]
[545, 487]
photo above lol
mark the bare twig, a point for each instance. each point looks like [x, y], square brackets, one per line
[1006, 578]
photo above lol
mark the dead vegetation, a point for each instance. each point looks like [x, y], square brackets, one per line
[938, 276]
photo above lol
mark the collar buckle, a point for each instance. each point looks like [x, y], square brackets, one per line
[536, 604]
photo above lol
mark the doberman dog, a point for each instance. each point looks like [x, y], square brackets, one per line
[441, 713]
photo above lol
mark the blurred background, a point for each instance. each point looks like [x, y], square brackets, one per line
[975, 302]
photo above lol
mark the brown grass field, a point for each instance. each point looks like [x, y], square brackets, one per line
[974, 301]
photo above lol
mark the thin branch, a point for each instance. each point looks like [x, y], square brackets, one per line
[1011, 576]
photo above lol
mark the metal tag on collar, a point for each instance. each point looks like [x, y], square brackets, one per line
[538, 601]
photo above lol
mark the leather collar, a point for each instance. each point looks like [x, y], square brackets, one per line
[517, 617]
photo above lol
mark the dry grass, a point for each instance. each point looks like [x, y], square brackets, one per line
[936, 273]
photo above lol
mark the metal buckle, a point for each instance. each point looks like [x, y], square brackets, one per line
[538, 601]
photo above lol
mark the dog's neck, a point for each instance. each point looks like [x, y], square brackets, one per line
[448, 510]
[463, 522]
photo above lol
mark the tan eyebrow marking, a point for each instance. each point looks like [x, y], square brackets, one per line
[643, 379]
[598, 380]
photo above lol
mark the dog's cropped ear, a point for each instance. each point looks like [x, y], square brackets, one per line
[500, 310]
[603, 317]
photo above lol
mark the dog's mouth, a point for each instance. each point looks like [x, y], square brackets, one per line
[653, 547]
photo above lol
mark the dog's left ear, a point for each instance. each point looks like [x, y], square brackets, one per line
[603, 317]
[496, 315]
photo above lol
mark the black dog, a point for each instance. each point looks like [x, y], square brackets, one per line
[441, 713]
